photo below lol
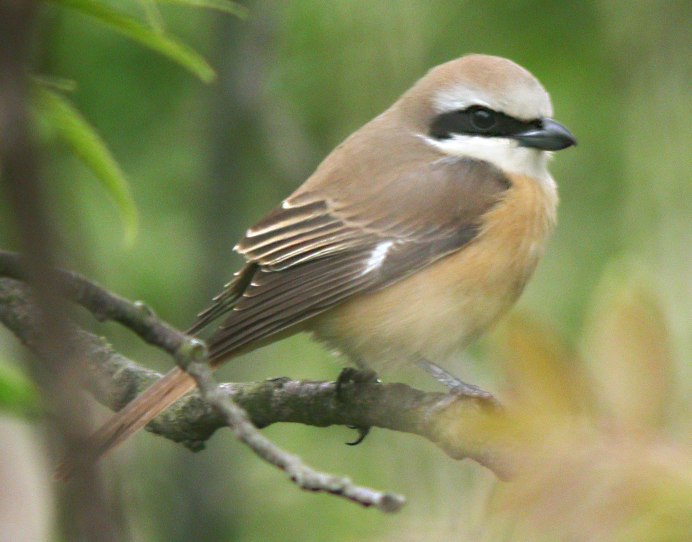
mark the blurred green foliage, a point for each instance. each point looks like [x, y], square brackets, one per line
[55, 111]
[149, 36]
[294, 79]
[17, 392]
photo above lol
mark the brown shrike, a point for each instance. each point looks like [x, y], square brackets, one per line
[410, 239]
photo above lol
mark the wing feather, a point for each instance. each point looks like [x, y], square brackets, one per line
[312, 252]
[272, 314]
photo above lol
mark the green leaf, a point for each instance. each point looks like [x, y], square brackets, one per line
[225, 6]
[151, 10]
[69, 124]
[17, 392]
[135, 30]
[56, 83]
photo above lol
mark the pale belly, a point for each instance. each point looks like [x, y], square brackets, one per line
[434, 314]
[438, 311]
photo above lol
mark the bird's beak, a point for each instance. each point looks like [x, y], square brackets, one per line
[551, 136]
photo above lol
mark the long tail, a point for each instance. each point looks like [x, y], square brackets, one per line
[133, 417]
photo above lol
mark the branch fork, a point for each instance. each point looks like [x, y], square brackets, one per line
[450, 420]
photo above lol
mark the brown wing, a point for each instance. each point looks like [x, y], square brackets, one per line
[314, 251]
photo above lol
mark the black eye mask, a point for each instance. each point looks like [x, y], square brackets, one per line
[480, 121]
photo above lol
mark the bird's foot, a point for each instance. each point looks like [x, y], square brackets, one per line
[454, 384]
[352, 375]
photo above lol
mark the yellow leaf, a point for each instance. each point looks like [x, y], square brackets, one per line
[628, 346]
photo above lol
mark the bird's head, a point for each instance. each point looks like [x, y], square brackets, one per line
[486, 108]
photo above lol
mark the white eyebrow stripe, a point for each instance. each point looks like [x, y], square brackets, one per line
[377, 256]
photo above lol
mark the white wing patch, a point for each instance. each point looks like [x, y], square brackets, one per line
[377, 256]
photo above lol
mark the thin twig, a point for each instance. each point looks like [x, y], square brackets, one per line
[191, 355]
[104, 305]
[195, 363]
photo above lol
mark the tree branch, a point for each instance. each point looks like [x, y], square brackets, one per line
[103, 304]
[451, 421]
[86, 510]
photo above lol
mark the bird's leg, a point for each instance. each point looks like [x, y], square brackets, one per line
[452, 382]
[353, 375]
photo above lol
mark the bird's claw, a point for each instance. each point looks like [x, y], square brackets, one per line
[362, 433]
[352, 375]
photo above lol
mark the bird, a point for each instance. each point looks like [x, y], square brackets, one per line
[409, 240]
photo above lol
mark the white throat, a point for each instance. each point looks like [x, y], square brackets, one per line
[504, 153]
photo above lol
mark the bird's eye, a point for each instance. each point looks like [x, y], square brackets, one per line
[482, 119]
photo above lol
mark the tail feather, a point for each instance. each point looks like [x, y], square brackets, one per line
[133, 417]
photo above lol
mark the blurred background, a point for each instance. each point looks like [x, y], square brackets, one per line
[294, 78]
